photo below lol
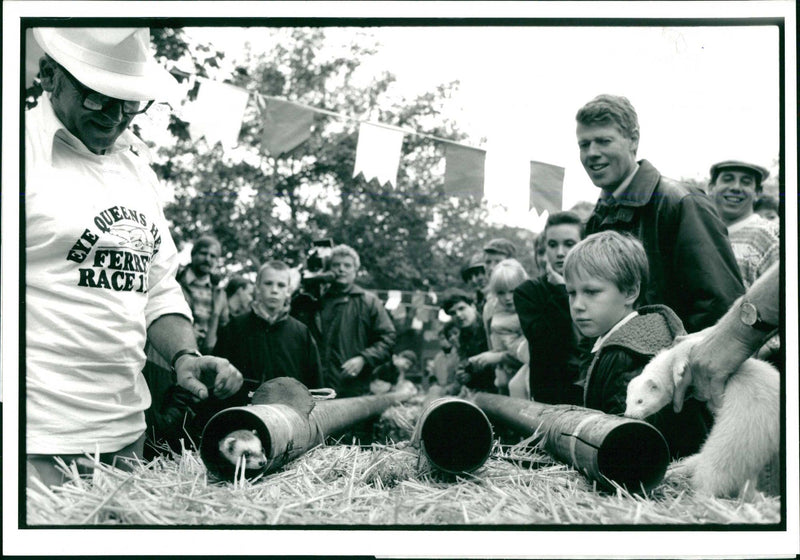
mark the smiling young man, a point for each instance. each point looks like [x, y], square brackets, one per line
[734, 188]
[692, 266]
[100, 262]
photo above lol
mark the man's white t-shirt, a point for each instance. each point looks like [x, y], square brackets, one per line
[99, 268]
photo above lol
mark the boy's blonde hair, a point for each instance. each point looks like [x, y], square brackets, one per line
[612, 256]
[507, 275]
[348, 251]
[277, 265]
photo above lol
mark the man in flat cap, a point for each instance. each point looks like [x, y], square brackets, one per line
[100, 262]
[692, 266]
[734, 187]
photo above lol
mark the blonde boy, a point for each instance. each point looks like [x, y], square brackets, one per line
[606, 276]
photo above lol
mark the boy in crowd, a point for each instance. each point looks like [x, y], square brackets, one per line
[606, 275]
[265, 343]
[472, 340]
[445, 362]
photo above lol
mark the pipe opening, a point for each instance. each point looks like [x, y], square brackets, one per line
[634, 455]
[220, 425]
[457, 436]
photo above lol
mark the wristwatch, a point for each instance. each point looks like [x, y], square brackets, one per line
[748, 314]
[184, 352]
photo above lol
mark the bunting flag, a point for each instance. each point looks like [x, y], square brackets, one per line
[378, 152]
[286, 126]
[33, 52]
[394, 299]
[463, 171]
[546, 186]
[217, 113]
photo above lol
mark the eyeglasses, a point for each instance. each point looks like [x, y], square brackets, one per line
[95, 101]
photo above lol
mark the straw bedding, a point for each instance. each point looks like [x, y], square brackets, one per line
[380, 484]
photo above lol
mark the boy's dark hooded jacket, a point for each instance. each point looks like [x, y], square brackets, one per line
[623, 356]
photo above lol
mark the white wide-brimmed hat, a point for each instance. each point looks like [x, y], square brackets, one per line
[113, 61]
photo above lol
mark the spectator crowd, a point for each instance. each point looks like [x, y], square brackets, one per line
[160, 349]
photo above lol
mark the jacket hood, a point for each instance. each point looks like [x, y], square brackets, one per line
[653, 329]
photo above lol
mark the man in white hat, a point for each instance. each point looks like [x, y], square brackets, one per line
[100, 262]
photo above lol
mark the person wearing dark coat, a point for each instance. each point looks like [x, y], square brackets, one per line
[605, 275]
[623, 356]
[692, 266]
[554, 344]
[265, 343]
[472, 341]
[353, 330]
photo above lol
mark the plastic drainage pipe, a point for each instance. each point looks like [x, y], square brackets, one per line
[603, 447]
[454, 434]
[285, 432]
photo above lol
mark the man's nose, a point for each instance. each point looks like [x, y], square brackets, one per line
[113, 111]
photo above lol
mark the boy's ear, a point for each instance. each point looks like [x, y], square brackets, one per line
[631, 295]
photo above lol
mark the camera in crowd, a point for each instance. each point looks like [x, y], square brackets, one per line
[315, 272]
[313, 278]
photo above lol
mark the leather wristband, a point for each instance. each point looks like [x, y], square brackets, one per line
[184, 352]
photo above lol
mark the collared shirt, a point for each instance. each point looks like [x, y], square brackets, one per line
[619, 193]
[100, 268]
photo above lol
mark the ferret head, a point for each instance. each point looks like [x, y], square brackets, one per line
[243, 444]
[651, 390]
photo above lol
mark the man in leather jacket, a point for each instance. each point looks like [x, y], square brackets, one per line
[692, 266]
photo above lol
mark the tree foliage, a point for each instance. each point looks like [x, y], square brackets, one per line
[410, 237]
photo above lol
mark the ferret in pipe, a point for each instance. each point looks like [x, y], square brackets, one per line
[243, 445]
[746, 430]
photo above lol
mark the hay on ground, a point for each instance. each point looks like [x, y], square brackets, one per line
[381, 484]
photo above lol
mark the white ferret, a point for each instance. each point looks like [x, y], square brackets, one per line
[243, 444]
[746, 430]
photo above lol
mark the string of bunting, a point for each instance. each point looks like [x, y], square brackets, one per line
[218, 112]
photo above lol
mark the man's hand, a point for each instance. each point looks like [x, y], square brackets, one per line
[190, 370]
[710, 361]
[353, 366]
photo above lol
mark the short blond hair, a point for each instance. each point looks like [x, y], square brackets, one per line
[507, 275]
[612, 256]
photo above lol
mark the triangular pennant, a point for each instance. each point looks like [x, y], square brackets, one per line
[394, 299]
[378, 153]
[217, 113]
[286, 126]
[546, 187]
[463, 172]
